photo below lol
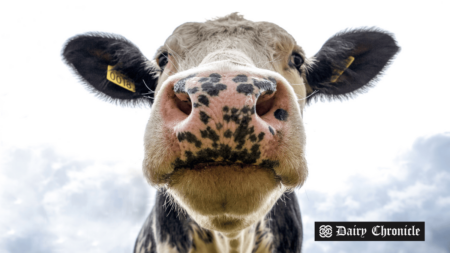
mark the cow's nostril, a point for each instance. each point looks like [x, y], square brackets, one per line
[183, 103]
[264, 103]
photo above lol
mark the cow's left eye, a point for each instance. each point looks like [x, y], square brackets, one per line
[296, 61]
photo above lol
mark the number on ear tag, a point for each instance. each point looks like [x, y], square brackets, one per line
[117, 78]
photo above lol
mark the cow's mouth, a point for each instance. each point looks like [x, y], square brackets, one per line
[230, 189]
[209, 167]
[205, 165]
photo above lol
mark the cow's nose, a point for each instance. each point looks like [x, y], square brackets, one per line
[225, 117]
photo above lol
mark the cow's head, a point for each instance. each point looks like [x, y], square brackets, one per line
[225, 135]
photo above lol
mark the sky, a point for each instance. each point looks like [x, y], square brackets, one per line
[70, 164]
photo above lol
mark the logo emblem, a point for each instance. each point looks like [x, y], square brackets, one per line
[325, 231]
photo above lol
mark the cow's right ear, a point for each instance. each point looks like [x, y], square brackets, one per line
[112, 67]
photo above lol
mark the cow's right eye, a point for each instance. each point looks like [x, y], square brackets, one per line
[296, 61]
[162, 60]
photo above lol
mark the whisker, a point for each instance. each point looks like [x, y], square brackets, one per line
[150, 90]
[307, 96]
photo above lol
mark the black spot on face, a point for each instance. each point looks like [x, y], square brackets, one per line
[272, 80]
[181, 137]
[225, 109]
[204, 155]
[246, 109]
[227, 133]
[227, 117]
[215, 78]
[196, 105]
[210, 134]
[240, 79]
[266, 85]
[271, 130]
[203, 99]
[193, 90]
[203, 79]
[252, 138]
[245, 156]
[189, 137]
[281, 114]
[213, 90]
[204, 117]
[235, 118]
[261, 136]
[242, 131]
[219, 126]
[245, 88]
[179, 87]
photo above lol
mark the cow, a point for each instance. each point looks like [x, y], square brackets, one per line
[225, 141]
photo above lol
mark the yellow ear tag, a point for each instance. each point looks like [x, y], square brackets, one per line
[117, 78]
[338, 73]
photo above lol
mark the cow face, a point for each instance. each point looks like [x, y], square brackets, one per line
[225, 135]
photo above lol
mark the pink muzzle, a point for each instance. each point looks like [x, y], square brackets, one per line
[226, 118]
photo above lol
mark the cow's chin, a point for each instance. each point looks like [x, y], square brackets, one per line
[226, 198]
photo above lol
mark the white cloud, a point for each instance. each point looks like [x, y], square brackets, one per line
[54, 204]
[420, 194]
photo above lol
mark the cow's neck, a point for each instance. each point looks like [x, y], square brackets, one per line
[166, 230]
[256, 238]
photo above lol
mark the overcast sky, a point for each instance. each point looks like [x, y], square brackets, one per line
[70, 175]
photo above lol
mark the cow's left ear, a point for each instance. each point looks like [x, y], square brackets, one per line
[112, 67]
[349, 62]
